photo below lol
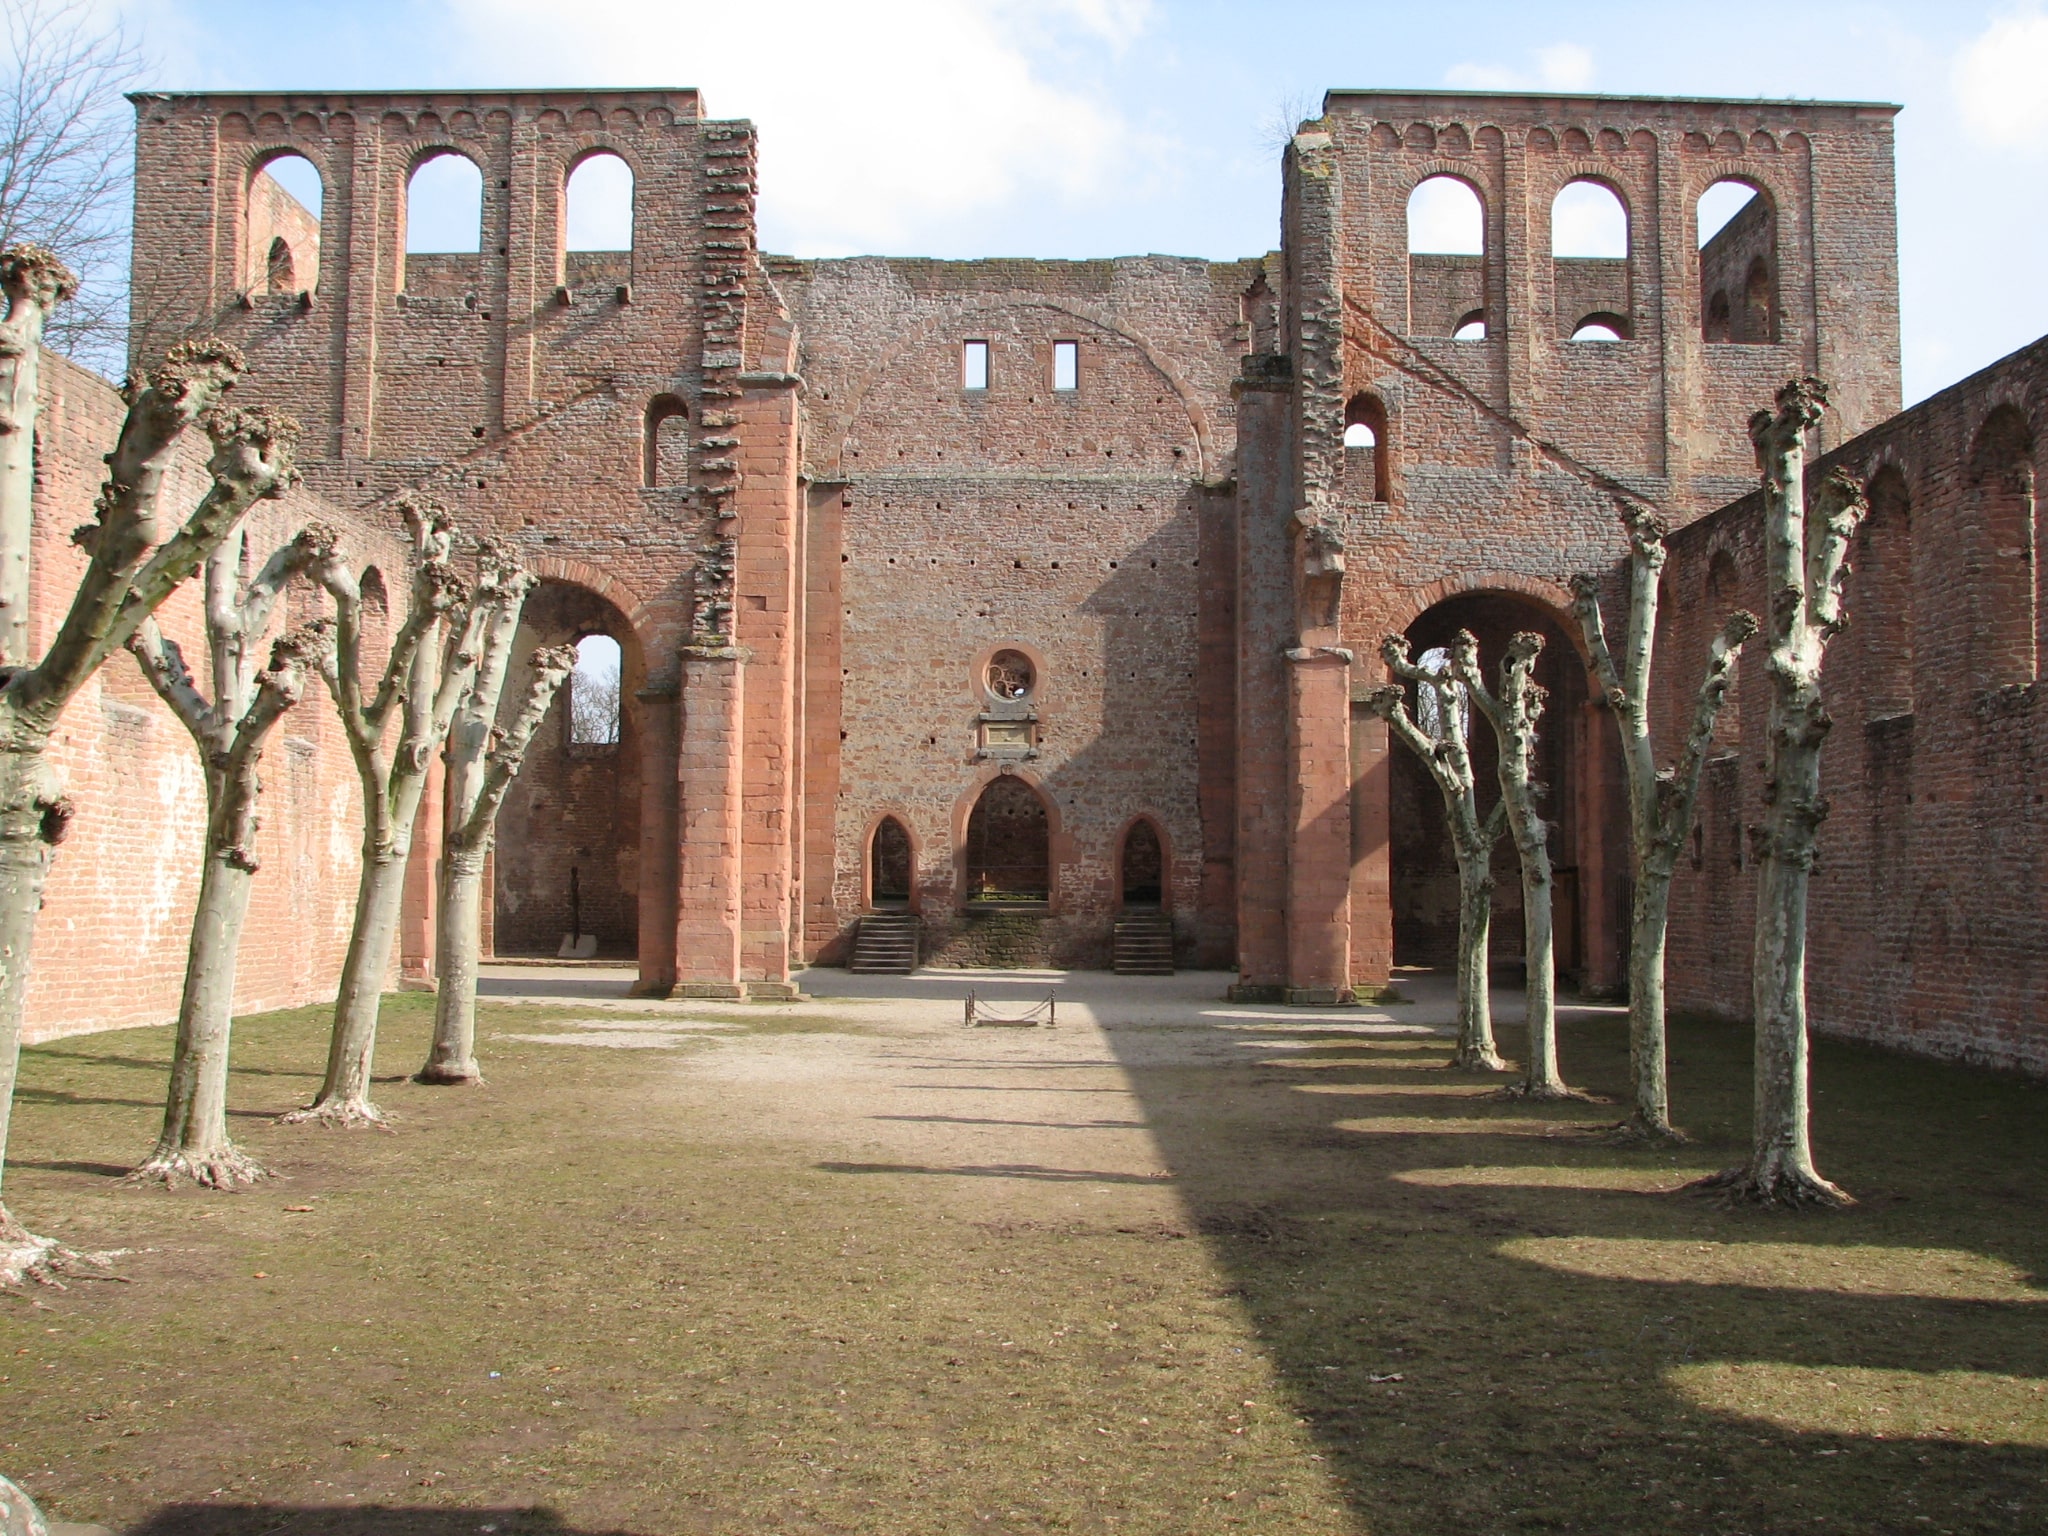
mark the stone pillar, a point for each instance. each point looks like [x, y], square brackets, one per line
[1319, 825]
[660, 800]
[710, 771]
[1372, 867]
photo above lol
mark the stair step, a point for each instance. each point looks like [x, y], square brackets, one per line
[886, 943]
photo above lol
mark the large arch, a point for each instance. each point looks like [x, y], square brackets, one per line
[1423, 872]
[1057, 849]
[569, 835]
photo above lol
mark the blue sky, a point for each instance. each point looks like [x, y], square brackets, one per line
[1106, 127]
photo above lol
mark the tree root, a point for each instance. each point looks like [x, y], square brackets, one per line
[449, 1075]
[339, 1115]
[26, 1258]
[1636, 1131]
[1774, 1187]
[1544, 1093]
[1472, 1058]
[226, 1167]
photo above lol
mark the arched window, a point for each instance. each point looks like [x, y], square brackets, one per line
[594, 693]
[1368, 463]
[889, 864]
[1470, 327]
[444, 205]
[1998, 516]
[1881, 598]
[284, 226]
[1446, 257]
[1588, 222]
[1601, 327]
[1009, 844]
[598, 205]
[1738, 232]
[665, 452]
[1143, 864]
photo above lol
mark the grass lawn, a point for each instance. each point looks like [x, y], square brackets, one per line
[847, 1267]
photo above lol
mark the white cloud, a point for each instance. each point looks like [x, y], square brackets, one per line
[880, 121]
[1558, 67]
[2001, 81]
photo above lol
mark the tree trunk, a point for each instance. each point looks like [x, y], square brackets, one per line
[1649, 921]
[1541, 1078]
[457, 939]
[344, 1097]
[24, 866]
[1476, 1051]
[195, 1143]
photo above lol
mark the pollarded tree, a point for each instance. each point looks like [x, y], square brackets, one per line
[425, 675]
[1445, 752]
[482, 762]
[1661, 801]
[1806, 546]
[131, 568]
[230, 730]
[1514, 714]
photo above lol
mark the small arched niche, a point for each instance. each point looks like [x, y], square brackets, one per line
[444, 221]
[1009, 845]
[665, 446]
[1999, 524]
[284, 226]
[1368, 461]
[1882, 621]
[1446, 256]
[1141, 867]
[597, 221]
[1738, 235]
[889, 866]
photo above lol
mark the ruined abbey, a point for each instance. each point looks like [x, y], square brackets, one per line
[1015, 599]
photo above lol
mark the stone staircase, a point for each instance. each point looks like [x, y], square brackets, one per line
[886, 944]
[1144, 944]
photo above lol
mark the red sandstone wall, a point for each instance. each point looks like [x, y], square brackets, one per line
[1930, 914]
[110, 948]
[1070, 525]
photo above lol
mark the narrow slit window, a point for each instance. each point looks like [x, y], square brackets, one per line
[594, 693]
[974, 365]
[1066, 365]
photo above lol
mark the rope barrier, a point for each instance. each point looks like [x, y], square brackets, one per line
[1045, 1013]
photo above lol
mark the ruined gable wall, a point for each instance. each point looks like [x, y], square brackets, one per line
[110, 946]
[1472, 502]
[1067, 524]
[1929, 927]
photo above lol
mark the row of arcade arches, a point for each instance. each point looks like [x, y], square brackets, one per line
[1005, 857]
[443, 212]
[1589, 221]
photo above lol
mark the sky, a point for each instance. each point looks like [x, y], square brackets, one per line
[1064, 128]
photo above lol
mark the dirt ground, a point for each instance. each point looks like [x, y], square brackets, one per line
[1172, 1266]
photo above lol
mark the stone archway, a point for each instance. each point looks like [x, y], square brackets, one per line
[1008, 853]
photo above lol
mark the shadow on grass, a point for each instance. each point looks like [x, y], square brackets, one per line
[1495, 1322]
[351, 1520]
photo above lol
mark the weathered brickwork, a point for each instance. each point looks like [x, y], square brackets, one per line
[110, 948]
[875, 534]
[1930, 912]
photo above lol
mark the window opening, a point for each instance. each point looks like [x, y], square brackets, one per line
[1884, 596]
[1144, 866]
[598, 205]
[1066, 365]
[444, 205]
[889, 865]
[1471, 327]
[594, 692]
[1738, 264]
[1367, 463]
[1446, 256]
[1588, 221]
[284, 226]
[1429, 715]
[667, 448]
[1601, 328]
[1010, 675]
[1998, 507]
[974, 365]
[1009, 844]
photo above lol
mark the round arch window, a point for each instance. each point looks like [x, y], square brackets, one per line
[1010, 675]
